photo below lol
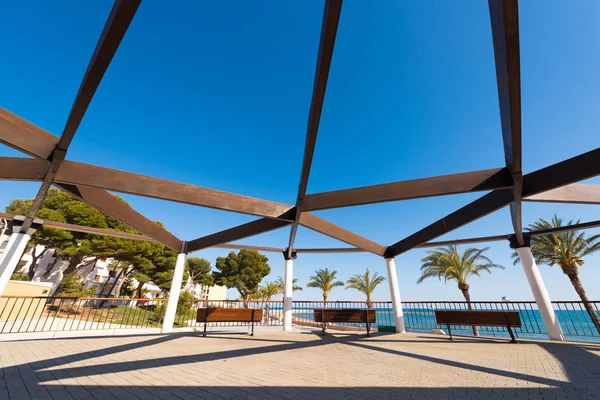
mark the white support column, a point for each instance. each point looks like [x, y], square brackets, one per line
[540, 294]
[15, 248]
[171, 309]
[287, 292]
[395, 295]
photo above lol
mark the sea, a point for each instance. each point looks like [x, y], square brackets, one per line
[576, 324]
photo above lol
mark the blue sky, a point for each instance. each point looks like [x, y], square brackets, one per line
[217, 94]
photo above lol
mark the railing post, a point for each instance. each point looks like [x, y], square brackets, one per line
[173, 299]
[288, 291]
[395, 295]
[540, 294]
[15, 248]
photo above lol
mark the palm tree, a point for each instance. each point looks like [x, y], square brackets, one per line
[281, 284]
[268, 290]
[365, 283]
[447, 263]
[324, 280]
[566, 249]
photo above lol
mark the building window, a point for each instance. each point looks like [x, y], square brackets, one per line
[97, 277]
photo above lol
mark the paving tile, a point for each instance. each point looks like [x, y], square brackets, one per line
[296, 366]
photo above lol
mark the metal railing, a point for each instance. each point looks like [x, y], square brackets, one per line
[574, 319]
[49, 314]
[186, 313]
[45, 314]
[303, 314]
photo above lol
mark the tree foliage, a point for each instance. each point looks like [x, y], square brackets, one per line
[243, 271]
[19, 277]
[325, 280]
[184, 308]
[269, 289]
[567, 250]
[448, 264]
[150, 261]
[281, 283]
[365, 283]
[199, 271]
[72, 286]
[48, 237]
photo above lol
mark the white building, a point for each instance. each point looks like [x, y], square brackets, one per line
[103, 274]
[206, 293]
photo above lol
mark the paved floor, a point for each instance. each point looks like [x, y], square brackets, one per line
[296, 366]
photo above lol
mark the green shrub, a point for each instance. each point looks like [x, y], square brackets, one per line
[19, 277]
[184, 305]
[158, 314]
[184, 308]
[71, 286]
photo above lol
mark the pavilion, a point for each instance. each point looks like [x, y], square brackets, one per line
[505, 186]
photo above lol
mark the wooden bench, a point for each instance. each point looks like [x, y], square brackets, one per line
[249, 315]
[509, 319]
[360, 316]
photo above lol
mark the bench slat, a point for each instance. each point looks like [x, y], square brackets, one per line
[229, 315]
[475, 317]
[344, 315]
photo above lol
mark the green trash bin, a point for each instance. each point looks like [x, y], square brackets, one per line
[383, 328]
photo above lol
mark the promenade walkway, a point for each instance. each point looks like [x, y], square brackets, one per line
[273, 365]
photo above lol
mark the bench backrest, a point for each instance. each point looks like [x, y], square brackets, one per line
[229, 315]
[476, 317]
[345, 315]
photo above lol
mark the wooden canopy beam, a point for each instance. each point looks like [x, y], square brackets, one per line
[75, 173]
[504, 15]
[110, 205]
[22, 169]
[24, 136]
[489, 179]
[239, 232]
[575, 193]
[86, 229]
[235, 246]
[317, 224]
[583, 166]
[485, 205]
[566, 228]
[579, 168]
[331, 17]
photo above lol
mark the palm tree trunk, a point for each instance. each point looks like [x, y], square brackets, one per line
[586, 303]
[267, 309]
[467, 296]
[324, 306]
[369, 303]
